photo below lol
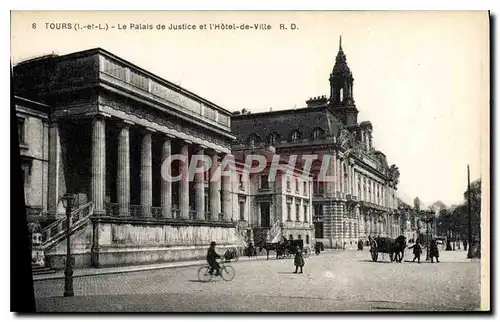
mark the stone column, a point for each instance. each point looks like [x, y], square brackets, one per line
[184, 183]
[342, 177]
[215, 186]
[353, 181]
[226, 182]
[54, 161]
[335, 175]
[199, 188]
[367, 226]
[146, 174]
[166, 185]
[98, 171]
[123, 176]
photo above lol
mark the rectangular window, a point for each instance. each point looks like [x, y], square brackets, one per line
[289, 211]
[264, 182]
[299, 237]
[318, 230]
[305, 212]
[242, 211]
[21, 130]
[321, 187]
[288, 184]
[296, 185]
[305, 188]
[307, 239]
[297, 212]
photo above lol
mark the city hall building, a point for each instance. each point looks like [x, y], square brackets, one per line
[361, 199]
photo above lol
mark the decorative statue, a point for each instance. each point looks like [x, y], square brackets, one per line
[394, 174]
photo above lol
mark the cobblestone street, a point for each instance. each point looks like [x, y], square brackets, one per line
[332, 281]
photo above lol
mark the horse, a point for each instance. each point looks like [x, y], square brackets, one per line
[397, 249]
[270, 246]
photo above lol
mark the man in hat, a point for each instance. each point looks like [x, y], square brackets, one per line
[212, 259]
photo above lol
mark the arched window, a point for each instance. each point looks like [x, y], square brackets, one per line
[341, 94]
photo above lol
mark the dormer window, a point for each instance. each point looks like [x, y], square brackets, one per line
[273, 138]
[295, 136]
[253, 140]
[317, 133]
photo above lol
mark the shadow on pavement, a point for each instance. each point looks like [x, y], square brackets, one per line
[286, 273]
[377, 262]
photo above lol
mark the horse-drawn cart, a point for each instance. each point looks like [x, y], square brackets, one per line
[290, 248]
[385, 245]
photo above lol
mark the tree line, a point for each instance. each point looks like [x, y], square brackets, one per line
[449, 221]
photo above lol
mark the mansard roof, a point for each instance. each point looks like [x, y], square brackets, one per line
[284, 123]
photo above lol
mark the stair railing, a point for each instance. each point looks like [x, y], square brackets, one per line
[58, 226]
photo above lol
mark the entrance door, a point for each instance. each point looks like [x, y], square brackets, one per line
[265, 215]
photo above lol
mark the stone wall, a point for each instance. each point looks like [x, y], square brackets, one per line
[142, 241]
[105, 242]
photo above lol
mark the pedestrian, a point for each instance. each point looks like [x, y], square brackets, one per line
[417, 250]
[360, 244]
[298, 260]
[434, 251]
[465, 245]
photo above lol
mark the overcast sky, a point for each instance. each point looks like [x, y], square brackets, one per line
[422, 79]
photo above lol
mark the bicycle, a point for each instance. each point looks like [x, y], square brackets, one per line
[226, 272]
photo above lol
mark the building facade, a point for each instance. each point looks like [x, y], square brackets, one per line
[272, 207]
[360, 201]
[96, 126]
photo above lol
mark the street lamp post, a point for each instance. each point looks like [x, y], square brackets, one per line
[68, 202]
[429, 219]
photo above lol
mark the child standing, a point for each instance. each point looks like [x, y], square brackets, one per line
[298, 260]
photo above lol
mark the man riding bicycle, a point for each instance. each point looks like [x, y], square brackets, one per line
[212, 259]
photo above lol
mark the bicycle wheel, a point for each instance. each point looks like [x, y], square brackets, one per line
[227, 273]
[204, 274]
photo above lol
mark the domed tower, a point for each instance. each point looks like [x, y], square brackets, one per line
[341, 90]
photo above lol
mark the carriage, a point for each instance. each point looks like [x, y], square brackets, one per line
[386, 245]
[290, 248]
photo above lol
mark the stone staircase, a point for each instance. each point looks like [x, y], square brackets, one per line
[55, 233]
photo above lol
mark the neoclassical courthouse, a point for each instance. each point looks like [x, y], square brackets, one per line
[99, 127]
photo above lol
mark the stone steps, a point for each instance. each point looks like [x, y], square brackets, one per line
[39, 270]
